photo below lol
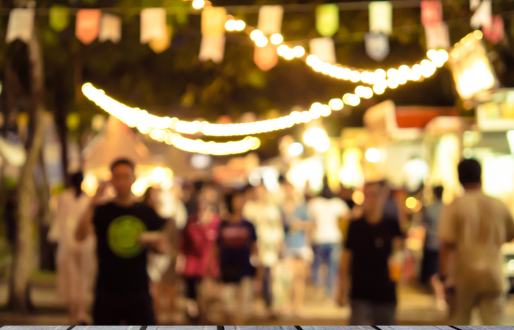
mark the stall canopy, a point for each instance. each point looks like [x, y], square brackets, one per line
[116, 141]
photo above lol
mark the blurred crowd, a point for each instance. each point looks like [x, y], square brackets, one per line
[237, 245]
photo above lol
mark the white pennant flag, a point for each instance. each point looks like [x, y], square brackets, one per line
[270, 19]
[212, 48]
[437, 36]
[110, 28]
[473, 4]
[153, 24]
[324, 49]
[213, 21]
[482, 16]
[377, 45]
[21, 25]
[381, 17]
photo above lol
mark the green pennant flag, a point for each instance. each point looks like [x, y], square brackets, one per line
[327, 19]
[59, 17]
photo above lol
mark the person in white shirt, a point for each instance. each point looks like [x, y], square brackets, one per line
[472, 229]
[267, 219]
[325, 211]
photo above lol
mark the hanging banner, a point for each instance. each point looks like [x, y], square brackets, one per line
[21, 25]
[381, 17]
[160, 45]
[153, 24]
[431, 12]
[212, 48]
[270, 19]
[482, 16]
[437, 36]
[473, 4]
[327, 19]
[324, 49]
[266, 57]
[110, 28]
[213, 21]
[495, 32]
[59, 17]
[377, 45]
[87, 25]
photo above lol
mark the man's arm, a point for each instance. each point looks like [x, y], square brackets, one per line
[444, 258]
[85, 226]
[344, 278]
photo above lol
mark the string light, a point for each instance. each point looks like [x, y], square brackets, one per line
[276, 39]
[198, 4]
[336, 104]
[232, 25]
[261, 42]
[298, 51]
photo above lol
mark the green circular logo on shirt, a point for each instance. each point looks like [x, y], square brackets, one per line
[122, 236]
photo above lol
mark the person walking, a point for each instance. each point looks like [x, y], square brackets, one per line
[472, 229]
[125, 231]
[74, 260]
[430, 263]
[325, 211]
[368, 275]
[236, 251]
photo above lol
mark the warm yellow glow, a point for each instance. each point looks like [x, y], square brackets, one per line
[289, 54]
[312, 60]
[325, 110]
[372, 155]
[139, 187]
[256, 34]
[427, 68]
[314, 135]
[379, 88]
[478, 34]
[276, 39]
[355, 76]
[230, 25]
[391, 73]
[380, 74]
[432, 54]
[336, 104]
[411, 202]
[415, 73]
[299, 51]
[261, 42]
[240, 25]
[198, 4]
[392, 83]
[351, 99]
[358, 197]
[282, 50]
[158, 174]
[364, 92]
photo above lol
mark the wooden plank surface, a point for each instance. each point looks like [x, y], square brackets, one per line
[256, 327]
[338, 327]
[187, 327]
[409, 327]
[26, 327]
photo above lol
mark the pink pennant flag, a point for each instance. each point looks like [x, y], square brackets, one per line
[431, 12]
[266, 57]
[88, 25]
[495, 32]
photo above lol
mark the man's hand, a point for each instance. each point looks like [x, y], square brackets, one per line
[152, 240]
[100, 191]
[180, 265]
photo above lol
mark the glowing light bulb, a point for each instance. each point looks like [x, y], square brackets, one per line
[261, 42]
[372, 155]
[392, 73]
[282, 50]
[380, 74]
[313, 136]
[415, 74]
[351, 99]
[295, 149]
[432, 54]
[336, 104]
[391, 83]
[427, 68]
[411, 202]
[240, 25]
[289, 54]
[379, 89]
[325, 110]
[355, 76]
[478, 34]
[312, 59]
[256, 34]
[299, 51]
[276, 39]
[158, 174]
[230, 25]
[364, 92]
[198, 4]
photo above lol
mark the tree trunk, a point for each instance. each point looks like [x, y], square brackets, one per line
[23, 257]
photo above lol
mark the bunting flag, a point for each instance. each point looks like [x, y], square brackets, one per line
[160, 45]
[153, 24]
[266, 57]
[473, 4]
[270, 19]
[87, 25]
[213, 21]
[21, 25]
[212, 48]
[495, 32]
[327, 19]
[437, 36]
[482, 16]
[381, 17]
[110, 28]
[324, 49]
[59, 17]
[377, 45]
[431, 12]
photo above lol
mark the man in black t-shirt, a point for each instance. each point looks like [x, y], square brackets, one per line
[123, 230]
[369, 267]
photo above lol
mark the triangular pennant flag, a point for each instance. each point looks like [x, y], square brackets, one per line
[21, 25]
[495, 32]
[153, 24]
[270, 19]
[266, 57]
[431, 12]
[377, 45]
[87, 25]
[160, 45]
[213, 21]
[482, 16]
[327, 19]
[324, 49]
[473, 4]
[110, 28]
[437, 36]
[59, 17]
[381, 17]
[212, 48]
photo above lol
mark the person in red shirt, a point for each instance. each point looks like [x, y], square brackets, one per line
[196, 249]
